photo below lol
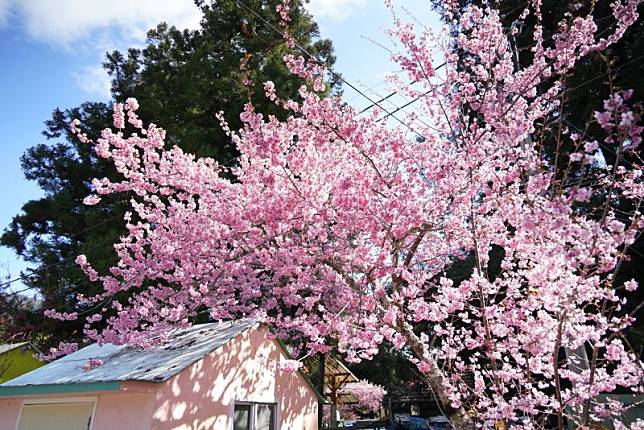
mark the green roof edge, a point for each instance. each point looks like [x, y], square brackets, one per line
[30, 390]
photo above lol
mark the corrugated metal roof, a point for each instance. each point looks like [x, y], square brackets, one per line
[10, 346]
[126, 363]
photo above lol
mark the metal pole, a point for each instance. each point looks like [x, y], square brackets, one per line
[322, 366]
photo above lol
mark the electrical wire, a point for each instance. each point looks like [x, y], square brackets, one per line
[331, 71]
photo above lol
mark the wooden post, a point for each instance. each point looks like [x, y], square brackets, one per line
[322, 366]
[334, 403]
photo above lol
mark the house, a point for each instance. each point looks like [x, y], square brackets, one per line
[336, 376]
[17, 359]
[222, 376]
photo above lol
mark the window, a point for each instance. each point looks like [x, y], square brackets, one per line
[254, 416]
[56, 414]
[241, 419]
[264, 417]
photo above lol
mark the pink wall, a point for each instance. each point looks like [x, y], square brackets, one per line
[126, 411]
[122, 410]
[9, 410]
[203, 395]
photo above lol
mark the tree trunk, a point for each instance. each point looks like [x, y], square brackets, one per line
[578, 363]
[458, 417]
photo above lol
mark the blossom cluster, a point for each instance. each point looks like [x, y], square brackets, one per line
[369, 395]
[92, 363]
[63, 348]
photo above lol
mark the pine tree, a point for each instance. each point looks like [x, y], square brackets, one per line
[182, 78]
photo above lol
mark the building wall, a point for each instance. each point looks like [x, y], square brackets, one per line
[9, 410]
[202, 397]
[116, 410]
[124, 411]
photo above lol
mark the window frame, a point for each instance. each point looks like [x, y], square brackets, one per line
[59, 400]
[250, 414]
[253, 412]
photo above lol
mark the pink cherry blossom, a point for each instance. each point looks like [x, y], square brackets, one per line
[91, 200]
[630, 285]
[369, 395]
[92, 363]
[62, 349]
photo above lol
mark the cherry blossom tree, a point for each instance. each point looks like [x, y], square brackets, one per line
[369, 395]
[368, 399]
[339, 228]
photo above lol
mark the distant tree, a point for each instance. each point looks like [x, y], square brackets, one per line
[183, 78]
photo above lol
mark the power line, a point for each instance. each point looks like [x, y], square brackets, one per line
[604, 74]
[429, 91]
[371, 88]
[397, 91]
[381, 100]
[406, 104]
[377, 103]
[26, 278]
[333, 73]
[393, 93]
[13, 293]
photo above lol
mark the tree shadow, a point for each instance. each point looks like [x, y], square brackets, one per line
[244, 369]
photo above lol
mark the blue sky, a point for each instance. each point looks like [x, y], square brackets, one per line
[51, 51]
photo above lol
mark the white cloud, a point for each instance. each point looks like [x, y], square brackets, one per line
[93, 80]
[92, 27]
[4, 11]
[337, 10]
[64, 22]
